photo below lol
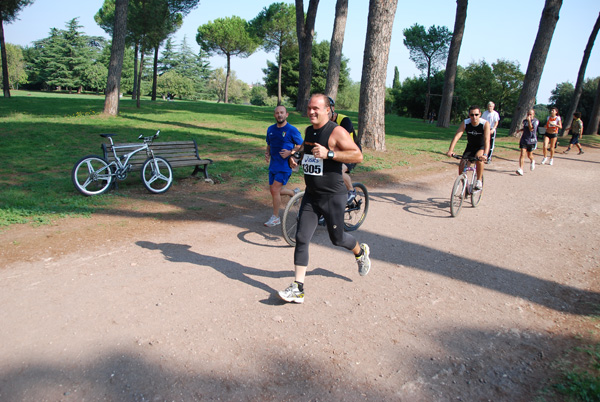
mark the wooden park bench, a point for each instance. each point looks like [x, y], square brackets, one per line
[177, 153]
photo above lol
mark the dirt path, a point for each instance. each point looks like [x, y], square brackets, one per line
[471, 308]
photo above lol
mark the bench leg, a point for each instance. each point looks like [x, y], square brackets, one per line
[204, 170]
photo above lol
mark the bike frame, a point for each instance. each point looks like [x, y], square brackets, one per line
[470, 181]
[122, 165]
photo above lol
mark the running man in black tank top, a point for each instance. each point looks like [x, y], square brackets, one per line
[326, 147]
[478, 142]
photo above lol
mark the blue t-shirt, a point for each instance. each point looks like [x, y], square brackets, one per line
[279, 138]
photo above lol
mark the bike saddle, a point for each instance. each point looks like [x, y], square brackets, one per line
[107, 135]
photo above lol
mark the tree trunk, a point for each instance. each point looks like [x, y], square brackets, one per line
[135, 69]
[371, 108]
[428, 94]
[581, 75]
[451, 64]
[306, 32]
[335, 51]
[279, 59]
[5, 81]
[592, 127]
[155, 73]
[537, 61]
[226, 100]
[139, 79]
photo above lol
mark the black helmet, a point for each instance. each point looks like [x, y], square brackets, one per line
[331, 101]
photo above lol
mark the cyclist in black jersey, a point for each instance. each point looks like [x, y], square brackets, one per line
[478, 142]
[326, 147]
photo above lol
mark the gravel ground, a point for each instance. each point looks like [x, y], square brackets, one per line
[473, 308]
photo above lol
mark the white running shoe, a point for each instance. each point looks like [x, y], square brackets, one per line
[532, 166]
[364, 262]
[273, 221]
[292, 294]
[520, 172]
[544, 161]
[478, 185]
[551, 162]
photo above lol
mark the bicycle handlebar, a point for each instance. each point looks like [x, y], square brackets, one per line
[468, 158]
[149, 139]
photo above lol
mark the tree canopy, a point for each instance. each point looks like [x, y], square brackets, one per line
[230, 36]
[428, 50]
[62, 59]
[10, 8]
[290, 75]
[276, 28]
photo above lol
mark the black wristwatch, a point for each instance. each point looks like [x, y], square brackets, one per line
[330, 155]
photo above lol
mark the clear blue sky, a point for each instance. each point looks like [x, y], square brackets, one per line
[494, 30]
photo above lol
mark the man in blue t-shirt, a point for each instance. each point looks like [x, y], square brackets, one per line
[283, 139]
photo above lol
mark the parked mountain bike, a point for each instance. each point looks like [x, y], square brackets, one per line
[354, 214]
[93, 175]
[464, 186]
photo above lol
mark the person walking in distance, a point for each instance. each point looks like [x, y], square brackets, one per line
[492, 117]
[528, 142]
[576, 130]
[346, 123]
[326, 147]
[478, 142]
[553, 124]
[283, 139]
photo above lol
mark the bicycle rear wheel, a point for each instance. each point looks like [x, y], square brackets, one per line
[476, 194]
[356, 211]
[458, 195]
[291, 215]
[92, 175]
[157, 175]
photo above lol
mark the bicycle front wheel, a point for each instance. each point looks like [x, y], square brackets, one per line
[92, 175]
[458, 195]
[291, 215]
[157, 175]
[356, 211]
[476, 195]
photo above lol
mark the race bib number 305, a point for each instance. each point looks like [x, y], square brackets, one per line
[312, 166]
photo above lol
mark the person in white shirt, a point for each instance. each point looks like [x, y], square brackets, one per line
[492, 117]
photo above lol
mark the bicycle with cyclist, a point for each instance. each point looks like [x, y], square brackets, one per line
[478, 143]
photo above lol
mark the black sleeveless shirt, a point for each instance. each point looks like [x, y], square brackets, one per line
[475, 137]
[331, 181]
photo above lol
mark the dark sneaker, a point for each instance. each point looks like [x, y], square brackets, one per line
[321, 221]
[580, 152]
[292, 294]
[364, 262]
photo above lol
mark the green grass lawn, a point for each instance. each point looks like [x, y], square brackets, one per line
[42, 135]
